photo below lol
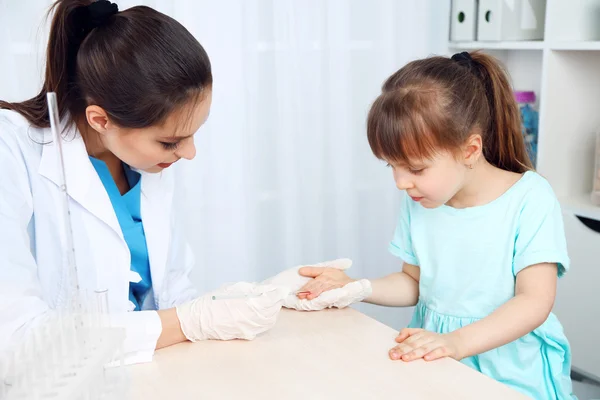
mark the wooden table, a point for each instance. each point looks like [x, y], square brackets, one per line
[332, 354]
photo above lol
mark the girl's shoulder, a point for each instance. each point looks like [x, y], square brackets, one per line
[534, 205]
[533, 189]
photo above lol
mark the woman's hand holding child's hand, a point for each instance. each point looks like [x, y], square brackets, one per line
[330, 288]
[419, 343]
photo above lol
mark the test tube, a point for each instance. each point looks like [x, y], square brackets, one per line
[102, 307]
[73, 300]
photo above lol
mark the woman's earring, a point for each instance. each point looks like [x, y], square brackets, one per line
[470, 166]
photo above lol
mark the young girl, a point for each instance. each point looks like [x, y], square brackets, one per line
[479, 232]
[132, 89]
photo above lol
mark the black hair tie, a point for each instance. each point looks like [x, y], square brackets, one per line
[94, 15]
[463, 58]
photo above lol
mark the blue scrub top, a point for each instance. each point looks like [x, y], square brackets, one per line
[127, 209]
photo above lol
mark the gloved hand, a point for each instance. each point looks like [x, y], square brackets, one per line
[232, 318]
[339, 297]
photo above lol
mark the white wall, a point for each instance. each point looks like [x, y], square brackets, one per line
[284, 175]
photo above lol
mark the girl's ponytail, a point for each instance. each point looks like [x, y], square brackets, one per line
[505, 147]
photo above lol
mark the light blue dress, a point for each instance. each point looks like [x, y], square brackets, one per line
[469, 259]
[128, 210]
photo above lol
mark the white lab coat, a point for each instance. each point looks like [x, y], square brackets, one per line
[32, 259]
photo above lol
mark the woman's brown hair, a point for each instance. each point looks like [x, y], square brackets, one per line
[138, 65]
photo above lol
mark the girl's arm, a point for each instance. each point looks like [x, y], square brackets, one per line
[535, 291]
[400, 289]
[534, 297]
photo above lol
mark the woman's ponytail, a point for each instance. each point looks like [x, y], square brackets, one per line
[66, 35]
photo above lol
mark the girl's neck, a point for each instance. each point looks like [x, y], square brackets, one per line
[483, 184]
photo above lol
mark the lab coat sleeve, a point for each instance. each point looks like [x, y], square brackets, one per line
[21, 297]
[142, 330]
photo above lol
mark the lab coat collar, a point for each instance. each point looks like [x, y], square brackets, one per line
[83, 183]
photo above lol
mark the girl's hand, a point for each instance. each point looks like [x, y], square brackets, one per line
[325, 278]
[419, 343]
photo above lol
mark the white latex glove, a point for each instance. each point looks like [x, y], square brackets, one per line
[341, 297]
[236, 318]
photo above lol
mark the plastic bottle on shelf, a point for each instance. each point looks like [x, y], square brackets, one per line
[529, 121]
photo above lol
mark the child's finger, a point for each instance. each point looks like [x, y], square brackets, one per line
[304, 290]
[394, 354]
[315, 287]
[414, 339]
[312, 289]
[319, 288]
[420, 351]
[401, 337]
[406, 332]
[302, 294]
[310, 286]
[311, 272]
[418, 340]
[397, 352]
[439, 352]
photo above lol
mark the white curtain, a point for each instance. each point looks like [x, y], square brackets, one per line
[284, 174]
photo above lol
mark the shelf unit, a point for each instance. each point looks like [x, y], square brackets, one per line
[564, 71]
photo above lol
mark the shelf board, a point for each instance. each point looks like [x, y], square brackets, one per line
[583, 46]
[512, 45]
[581, 205]
[528, 45]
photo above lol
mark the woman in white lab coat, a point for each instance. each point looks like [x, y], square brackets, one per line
[132, 88]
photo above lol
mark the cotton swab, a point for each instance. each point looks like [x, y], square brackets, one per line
[236, 296]
[242, 295]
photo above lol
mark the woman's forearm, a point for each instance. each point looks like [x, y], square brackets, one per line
[171, 329]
